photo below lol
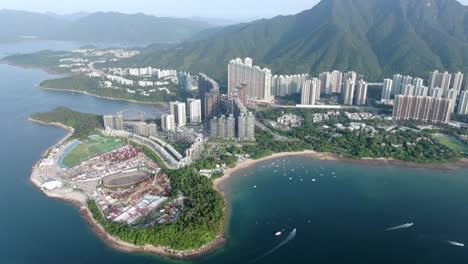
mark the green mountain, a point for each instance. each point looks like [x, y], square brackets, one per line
[374, 37]
[98, 27]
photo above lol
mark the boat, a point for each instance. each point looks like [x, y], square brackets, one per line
[458, 244]
[279, 233]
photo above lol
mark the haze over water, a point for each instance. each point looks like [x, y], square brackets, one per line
[340, 217]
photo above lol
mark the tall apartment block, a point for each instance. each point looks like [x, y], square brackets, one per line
[360, 93]
[463, 103]
[422, 108]
[440, 80]
[310, 89]
[208, 91]
[113, 122]
[178, 110]
[167, 123]
[258, 80]
[387, 89]
[194, 109]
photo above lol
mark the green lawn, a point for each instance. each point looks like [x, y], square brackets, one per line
[452, 143]
[90, 148]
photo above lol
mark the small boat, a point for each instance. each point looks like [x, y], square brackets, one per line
[279, 233]
[456, 243]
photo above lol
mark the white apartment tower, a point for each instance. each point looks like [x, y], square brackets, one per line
[387, 89]
[463, 104]
[457, 82]
[194, 109]
[258, 80]
[440, 80]
[309, 91]
[167, 122]
[360, 95]
[179, 113]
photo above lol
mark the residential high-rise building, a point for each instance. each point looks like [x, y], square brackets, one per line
[387, 89]
[178, 110]
[360, 95]
[167, 122]
[258, 80]
[417, 82]
[113, 122]
[440, 80]
[152, 130]
[336, 81]
[194, 109]
[457, 82]
[421, 91]
[422, 108]
[436, 92]
[185, 80]
[349, 85]
[397, 81]
[463, 103]
[242, 93]
[408, 90]
[282, 85]
[109, 122]
[223, 127]
[208, 90]
[325, 86]
[310, 89]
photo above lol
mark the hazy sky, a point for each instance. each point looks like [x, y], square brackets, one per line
[229, 9]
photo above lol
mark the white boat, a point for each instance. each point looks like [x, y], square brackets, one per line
[456, 243]
[279, 233]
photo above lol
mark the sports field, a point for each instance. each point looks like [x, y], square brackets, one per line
[91, 147]
[452, 143]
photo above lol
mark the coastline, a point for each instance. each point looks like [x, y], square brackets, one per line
[163, 104]
[80, 200]
[49, 71]
[218, 183]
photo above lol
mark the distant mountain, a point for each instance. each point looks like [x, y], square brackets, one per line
[98, 27]
[71, 16]
[374, 37]
[16, 24]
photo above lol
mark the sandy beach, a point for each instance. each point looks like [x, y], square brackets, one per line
[462, 163]
[80, 200]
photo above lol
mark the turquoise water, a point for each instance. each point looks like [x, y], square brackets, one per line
[338, 220]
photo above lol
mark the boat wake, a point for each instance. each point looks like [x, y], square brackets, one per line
[284, 242]
[404, 226]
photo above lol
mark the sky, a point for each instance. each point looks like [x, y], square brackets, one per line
[227, 9]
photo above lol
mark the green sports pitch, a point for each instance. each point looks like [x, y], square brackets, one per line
[93, 146]
[452, 143]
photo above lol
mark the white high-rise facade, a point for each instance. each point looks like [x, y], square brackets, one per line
[387, 89]
[349, 85]
[440, 80]
[463, 103]
[457, 82]
[194, 109]
[167, 122]
[348, 92]
[360, 95]
[310, 89]
[336, 81]
[258, 80]
[178, 110]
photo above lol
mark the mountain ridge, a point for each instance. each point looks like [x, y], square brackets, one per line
[374, 37]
